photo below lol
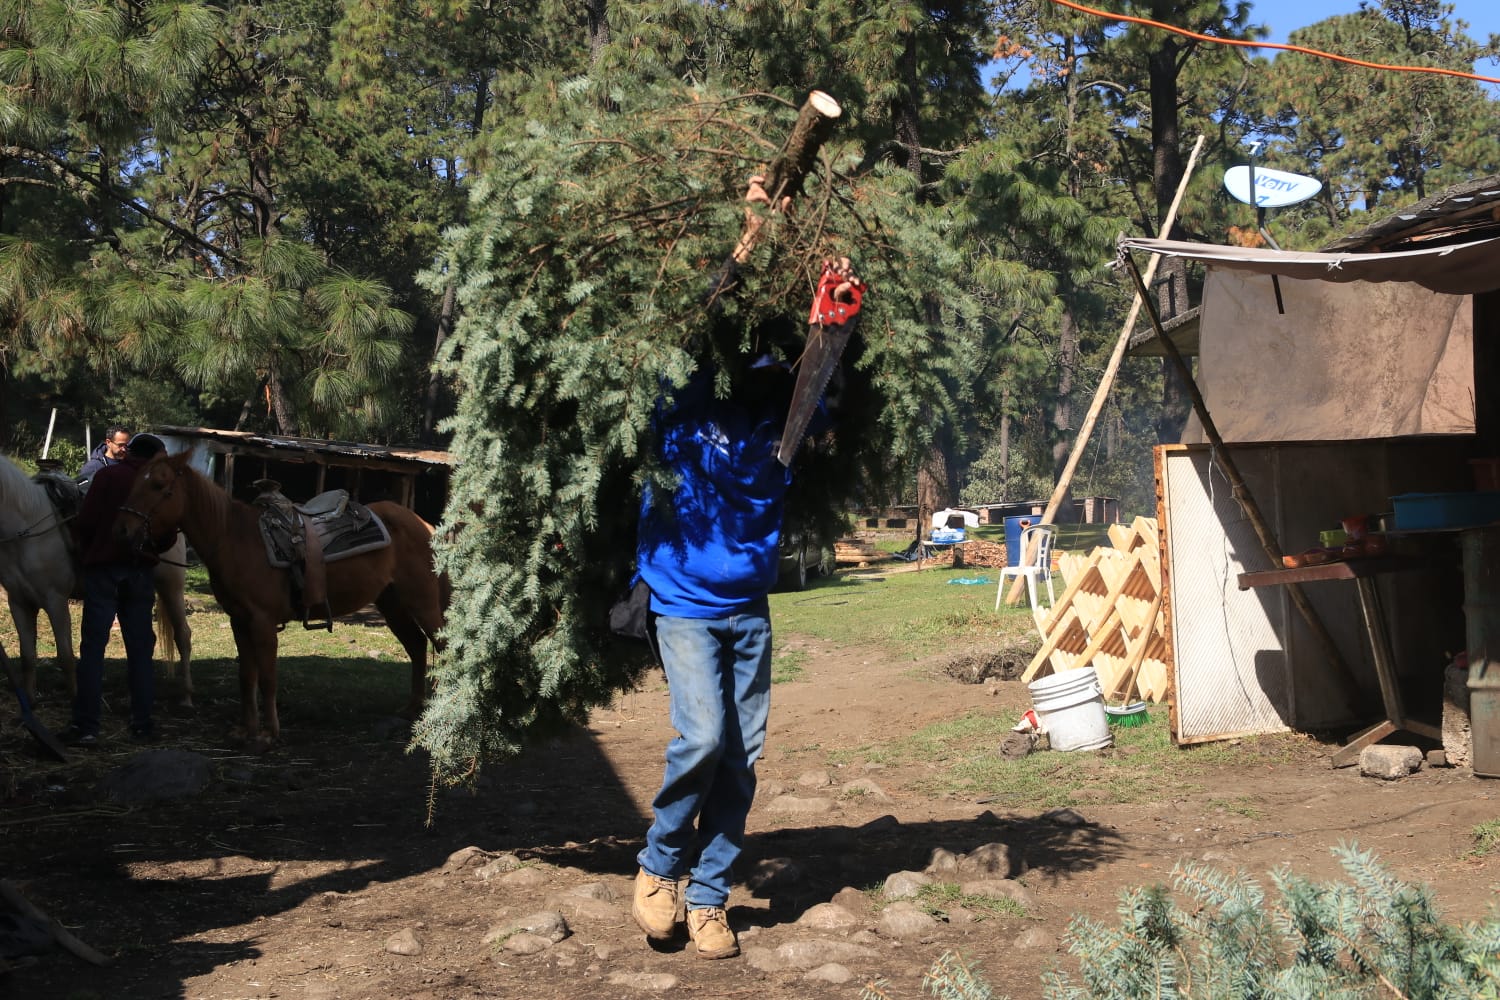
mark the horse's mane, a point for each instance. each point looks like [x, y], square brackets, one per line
[213, 503]
[19, 494]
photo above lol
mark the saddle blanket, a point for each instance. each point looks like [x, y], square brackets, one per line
[344, 529]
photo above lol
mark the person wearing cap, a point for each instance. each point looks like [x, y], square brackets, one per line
[116, 584]
[710, 554]
[110, 451]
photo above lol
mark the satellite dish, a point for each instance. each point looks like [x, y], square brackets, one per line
[1273, 188]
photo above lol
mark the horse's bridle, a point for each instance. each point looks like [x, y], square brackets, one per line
[145, 516]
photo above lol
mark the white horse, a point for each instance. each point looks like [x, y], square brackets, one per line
[36, 572]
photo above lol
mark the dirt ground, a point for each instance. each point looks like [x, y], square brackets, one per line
[303, 873]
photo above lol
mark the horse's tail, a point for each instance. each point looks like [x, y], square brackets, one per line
[166, 637]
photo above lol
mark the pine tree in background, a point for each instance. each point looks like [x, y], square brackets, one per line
[582, 275]
[1377, 139]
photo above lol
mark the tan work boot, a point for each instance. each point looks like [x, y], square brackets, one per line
[655, 906]
[709, 929]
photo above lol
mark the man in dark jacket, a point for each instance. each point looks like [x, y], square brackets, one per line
[111, 451]
[116, 583]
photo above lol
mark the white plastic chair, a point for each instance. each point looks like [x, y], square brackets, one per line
[1040, 565]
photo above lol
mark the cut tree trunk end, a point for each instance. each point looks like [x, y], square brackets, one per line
[815, 122]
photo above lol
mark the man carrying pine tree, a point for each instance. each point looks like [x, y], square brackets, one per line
[710, 554]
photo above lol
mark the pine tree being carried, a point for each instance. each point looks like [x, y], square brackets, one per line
[581, 277]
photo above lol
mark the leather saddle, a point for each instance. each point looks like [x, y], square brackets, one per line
[303, 538]
[64, 492]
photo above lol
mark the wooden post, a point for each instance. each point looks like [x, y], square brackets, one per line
[1241, 492]
[1107, 381]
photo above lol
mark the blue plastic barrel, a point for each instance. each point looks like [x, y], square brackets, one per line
[1013, 528]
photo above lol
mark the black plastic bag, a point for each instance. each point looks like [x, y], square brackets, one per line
[630, 616]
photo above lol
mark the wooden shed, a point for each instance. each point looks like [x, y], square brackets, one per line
[1336, 381]
[412, 476]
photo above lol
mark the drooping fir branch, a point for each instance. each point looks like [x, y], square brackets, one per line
[1368, 936]
[581, 275]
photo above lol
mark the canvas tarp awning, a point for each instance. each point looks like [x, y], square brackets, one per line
[1462, 269]
[1354, 346]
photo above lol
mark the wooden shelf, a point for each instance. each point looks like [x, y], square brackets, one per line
[1343, 569]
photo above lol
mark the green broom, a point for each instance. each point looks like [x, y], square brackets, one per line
[1133, 714]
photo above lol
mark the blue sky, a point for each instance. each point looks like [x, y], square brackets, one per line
[1286, 16]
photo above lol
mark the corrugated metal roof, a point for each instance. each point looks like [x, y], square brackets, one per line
[1182, 328]
[1464, 212]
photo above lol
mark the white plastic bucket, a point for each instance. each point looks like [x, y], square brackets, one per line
[1071, 708]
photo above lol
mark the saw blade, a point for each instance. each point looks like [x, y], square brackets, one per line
[825, 346]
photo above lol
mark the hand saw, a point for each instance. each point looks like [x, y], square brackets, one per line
[834, 315]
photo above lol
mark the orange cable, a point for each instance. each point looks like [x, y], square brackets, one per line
[1110, 15]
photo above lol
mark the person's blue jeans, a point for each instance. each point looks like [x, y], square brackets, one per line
[719, 682]
[125, 592]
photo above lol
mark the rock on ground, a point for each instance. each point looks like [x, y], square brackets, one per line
[1389, 762]
[906, 921]
[904, 885]
[828, 916]
[404, 942]
[647, 982]
[153, 775]
[833, 973]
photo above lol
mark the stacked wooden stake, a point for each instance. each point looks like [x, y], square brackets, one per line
[1110, 616]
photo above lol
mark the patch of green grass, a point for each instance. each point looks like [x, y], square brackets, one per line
[1240, 806]
[1486, 837]
[894, 542]
[938, 898]
[917, 611]
[788, 665]
[1070, 537]
[962, 754]
[326, 681]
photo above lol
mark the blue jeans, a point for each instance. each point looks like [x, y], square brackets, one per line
[719, 681]
[108, 592]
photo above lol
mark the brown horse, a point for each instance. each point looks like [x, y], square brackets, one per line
[398, 579]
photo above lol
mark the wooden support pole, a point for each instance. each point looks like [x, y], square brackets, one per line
[1241, 492]
[12, 895]
[1107, 380]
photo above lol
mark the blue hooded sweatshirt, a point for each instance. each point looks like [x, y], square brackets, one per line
[713, 549]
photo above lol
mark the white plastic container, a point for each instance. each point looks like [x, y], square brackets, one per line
[1071, 708]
